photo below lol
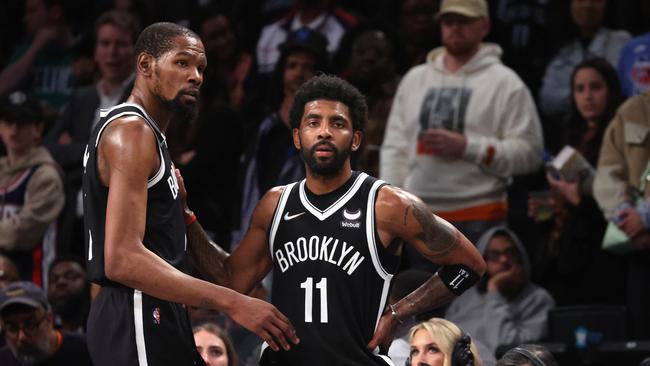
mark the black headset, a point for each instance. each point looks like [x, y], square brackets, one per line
[461, 354]
[531, 356]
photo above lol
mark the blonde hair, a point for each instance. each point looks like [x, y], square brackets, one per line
[445, 334]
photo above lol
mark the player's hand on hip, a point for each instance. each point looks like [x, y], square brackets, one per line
[383, 336]
[265, 320]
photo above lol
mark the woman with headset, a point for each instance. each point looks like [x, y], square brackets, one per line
[439, 342]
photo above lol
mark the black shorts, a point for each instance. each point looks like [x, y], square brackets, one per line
[127, 327]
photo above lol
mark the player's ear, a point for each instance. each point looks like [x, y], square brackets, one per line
[296, 138]
[145, 64]
[357, 137]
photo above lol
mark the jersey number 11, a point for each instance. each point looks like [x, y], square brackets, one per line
[308, 285]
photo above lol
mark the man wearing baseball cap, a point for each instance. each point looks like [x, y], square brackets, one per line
[31, 188]
[27, 324]
[461, 126]
[468, 8]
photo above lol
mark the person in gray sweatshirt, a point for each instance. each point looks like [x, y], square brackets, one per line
[504, 307]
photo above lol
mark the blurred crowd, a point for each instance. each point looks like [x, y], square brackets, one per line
[525, 124]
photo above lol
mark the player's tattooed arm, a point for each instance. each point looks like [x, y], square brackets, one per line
[435, 239]
[439, 237]
[210, 259]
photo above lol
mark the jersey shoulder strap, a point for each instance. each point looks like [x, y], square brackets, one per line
[128, 109]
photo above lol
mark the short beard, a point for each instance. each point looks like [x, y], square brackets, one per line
[181, 111]
[325, 169]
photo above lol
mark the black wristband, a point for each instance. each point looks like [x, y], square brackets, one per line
[457, 277]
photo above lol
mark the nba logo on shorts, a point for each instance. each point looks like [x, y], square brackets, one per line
[156, 315]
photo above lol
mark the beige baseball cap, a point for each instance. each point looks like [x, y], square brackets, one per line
[468, 8]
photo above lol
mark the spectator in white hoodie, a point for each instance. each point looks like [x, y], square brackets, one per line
[461, 125]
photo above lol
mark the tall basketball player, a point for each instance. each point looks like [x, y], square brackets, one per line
[333, 241]
[135, 233]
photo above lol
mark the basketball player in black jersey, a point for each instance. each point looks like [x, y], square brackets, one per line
[135, 233]
[333, 242]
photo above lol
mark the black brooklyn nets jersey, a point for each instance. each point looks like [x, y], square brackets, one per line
[331, 273]
[165, 228]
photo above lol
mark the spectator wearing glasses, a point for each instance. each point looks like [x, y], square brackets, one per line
[28, 326]
[504, 307]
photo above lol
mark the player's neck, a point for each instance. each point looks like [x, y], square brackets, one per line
[319, 185]
[158, 112]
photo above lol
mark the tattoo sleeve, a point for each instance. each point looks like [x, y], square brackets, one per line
[210, 259]
[439, 237]
[430, 295]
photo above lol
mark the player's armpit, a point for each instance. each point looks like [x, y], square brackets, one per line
[251, 260]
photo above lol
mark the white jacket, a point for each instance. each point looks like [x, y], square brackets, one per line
[484, 100]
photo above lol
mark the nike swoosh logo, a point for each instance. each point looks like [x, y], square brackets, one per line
[288, 217]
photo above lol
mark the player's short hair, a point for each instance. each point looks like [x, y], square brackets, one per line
[329, 87]
[158, 38]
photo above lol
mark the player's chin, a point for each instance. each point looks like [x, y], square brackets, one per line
[328, 167]
[189, 100]
[324, 159]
